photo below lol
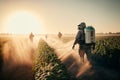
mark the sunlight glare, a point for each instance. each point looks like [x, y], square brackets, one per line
[23, 23]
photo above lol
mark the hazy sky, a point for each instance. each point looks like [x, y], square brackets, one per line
[64, 15]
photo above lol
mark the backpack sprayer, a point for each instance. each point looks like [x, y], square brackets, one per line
[90, 38]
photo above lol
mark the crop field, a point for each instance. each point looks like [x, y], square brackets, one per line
[16, 58]
[105, 59]
[107, 50]
[52, 58]
[47, 65]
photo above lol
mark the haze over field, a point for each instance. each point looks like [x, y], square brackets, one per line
[52, 16]
[89, 69]
[47, 18]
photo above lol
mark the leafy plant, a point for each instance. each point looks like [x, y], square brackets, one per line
[47, 66]
[108, 49]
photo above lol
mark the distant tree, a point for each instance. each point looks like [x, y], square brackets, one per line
[110, 32]
[117, 32]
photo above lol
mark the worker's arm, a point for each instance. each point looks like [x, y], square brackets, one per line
[77, 39]
[75, 42]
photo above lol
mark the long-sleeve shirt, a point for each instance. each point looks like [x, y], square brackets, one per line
[80, 37]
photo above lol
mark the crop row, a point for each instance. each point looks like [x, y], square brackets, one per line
[47, 66]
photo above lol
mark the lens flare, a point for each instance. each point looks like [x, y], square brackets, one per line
[23, 23]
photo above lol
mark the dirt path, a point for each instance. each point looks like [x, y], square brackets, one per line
[77, 69]
[18, 59]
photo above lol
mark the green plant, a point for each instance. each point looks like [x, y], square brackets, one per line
[108, 48]
[47, 65]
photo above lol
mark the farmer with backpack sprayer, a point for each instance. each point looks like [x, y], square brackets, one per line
[86, 40]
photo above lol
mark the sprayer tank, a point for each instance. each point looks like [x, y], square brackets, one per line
[89, 35]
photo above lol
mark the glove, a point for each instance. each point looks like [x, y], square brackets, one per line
[73, 47]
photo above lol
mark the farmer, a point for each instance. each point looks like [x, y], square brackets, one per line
[46, 36]
[31, 37]
[59, 35]
[80, 39]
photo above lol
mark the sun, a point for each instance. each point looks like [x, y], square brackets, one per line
[23, 23]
